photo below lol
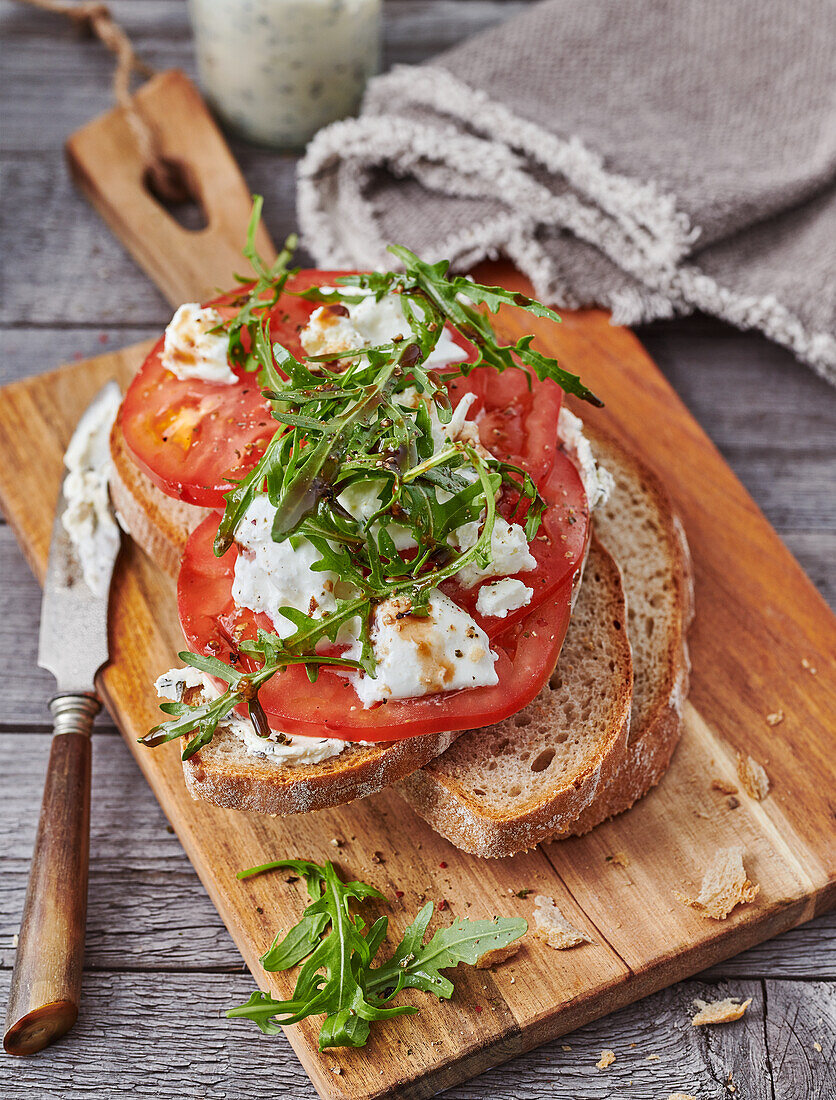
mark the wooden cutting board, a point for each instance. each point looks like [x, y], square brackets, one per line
[763, 642]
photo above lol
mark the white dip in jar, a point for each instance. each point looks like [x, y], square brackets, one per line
[278, 70]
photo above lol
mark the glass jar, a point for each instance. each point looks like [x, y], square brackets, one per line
[277, 70]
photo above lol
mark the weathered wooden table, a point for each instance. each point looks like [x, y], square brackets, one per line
[161, 967]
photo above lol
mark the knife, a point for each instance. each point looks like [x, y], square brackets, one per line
[46, 983]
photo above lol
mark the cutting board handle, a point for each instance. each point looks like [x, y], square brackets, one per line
[107, 165]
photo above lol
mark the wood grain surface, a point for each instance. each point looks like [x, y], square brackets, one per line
[155, 942]
[757, 613]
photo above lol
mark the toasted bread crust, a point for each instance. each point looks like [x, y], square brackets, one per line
[446, 801]
[159, 524]
[653, 740]
[240, 781]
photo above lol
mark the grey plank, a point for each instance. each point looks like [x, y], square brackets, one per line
[143, 1037]
[162, 1037]
[78, 72]
[801, 1036]
[29, 350]
[657, 1052]
[808, 951]
[147, 909]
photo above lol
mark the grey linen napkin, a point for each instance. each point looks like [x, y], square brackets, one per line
[650, 156]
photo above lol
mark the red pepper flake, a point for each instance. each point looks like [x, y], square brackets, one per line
[399, 893]
[442, 864]
[478, 1008]
[442, 905]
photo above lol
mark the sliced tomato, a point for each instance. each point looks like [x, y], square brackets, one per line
[518, 423]
[527, 641]
[212, 624]
[193, 438]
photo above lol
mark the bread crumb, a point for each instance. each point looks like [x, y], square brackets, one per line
[724, 886]
[774, 718]
[565, 1046]
[335, 840]
[618, 859]
[733, 802]
[719, 1012]
[652, 1058]
[15, 940]
[808, 664]
[681, 1096]
[723, 786]
[337, 1070]
[496, 956]
[607, 1058]
[753, 778]
[817, 1046]
[553, 927]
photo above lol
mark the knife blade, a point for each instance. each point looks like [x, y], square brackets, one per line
[73, 635]
[46, 983]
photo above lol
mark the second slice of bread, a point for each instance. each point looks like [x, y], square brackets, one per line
[464, 794]
[503, 789]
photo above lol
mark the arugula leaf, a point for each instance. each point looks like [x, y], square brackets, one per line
[337, 979]
[364, 419]
[446, 294]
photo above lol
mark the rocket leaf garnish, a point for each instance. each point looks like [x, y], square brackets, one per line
[337, 978]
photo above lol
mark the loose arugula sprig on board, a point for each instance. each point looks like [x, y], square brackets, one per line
[337, 978]
[350, 418]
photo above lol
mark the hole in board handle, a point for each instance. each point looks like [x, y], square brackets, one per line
[177, 194]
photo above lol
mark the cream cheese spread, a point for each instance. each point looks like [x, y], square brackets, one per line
[192, 350]
[87, 517]
[282, 748]
[369, 323]
[415, 655]
[420, 655]
[598, 483]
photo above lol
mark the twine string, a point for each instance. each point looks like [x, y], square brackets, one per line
[94, 17]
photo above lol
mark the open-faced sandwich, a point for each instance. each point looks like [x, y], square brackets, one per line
[401, 559]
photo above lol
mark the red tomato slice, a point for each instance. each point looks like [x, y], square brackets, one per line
[191, 437]
[518, 424]
[527, 641]
[330, 708]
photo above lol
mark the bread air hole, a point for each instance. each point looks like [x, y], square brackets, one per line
[542, 760]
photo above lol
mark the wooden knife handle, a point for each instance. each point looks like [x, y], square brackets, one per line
[46, 983]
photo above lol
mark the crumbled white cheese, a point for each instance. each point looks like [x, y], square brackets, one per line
[369, 323]
[270, 575]
[283, 748]
[509, 551]
[422, 655]
[192, 350]
[500, 597]
[598, 483]
[87, 517]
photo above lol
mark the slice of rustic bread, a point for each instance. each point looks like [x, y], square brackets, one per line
[226, 774]
[156, 522]
[640, 527]
[503, 789]
[463, 795]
